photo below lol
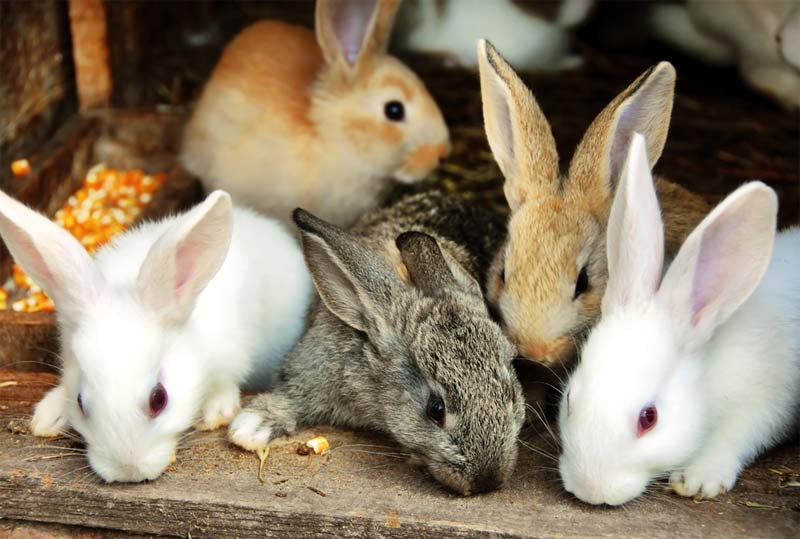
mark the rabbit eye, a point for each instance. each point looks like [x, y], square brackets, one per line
[80, 404]
[648, 418]
[436, 410]
[582, 284]
[395, 111]
[158, 399]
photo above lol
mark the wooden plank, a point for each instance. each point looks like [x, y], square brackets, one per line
[17, 529]
[212, 491]
[87, 20]
[36, 85]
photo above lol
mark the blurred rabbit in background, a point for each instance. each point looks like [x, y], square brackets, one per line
[761, 37]
[533, 35]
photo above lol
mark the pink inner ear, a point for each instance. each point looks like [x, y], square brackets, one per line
[183, 267]
[350, 23]
[40, 265]
[713, 265]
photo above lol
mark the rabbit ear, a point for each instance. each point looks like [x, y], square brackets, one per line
[518, 133]
[429, 268]
[425, 263]
[186, 257]
[635, 238]
[350, 32]
[54, 259]
[354, 282]
[644, 107]
[720, 263]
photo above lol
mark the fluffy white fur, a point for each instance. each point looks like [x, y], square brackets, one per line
[715, 347]
[198, 302]
[528, 42]
[760, 37]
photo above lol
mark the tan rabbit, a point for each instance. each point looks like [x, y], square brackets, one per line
[287, 120]
[546, 283]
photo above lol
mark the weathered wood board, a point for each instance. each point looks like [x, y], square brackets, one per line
[364, 488]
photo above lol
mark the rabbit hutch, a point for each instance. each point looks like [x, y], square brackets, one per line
[102, 82]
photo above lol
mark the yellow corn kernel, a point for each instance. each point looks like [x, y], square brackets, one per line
[318, 444]
[20, 167]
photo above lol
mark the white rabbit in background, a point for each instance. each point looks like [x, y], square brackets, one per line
[533, 38]
[761, 37]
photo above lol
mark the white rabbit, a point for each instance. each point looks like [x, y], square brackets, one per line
[762, 37]
[536, 37]
[694, 375]
[158, 331]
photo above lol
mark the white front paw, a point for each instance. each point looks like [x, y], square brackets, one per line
[49, 417]
[220, 410]
[705, 480]
[249, 431]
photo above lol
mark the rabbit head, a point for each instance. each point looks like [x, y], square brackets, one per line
[638, 405]
[440, 375]
[131, 381]
[548, 279]
[367, 101]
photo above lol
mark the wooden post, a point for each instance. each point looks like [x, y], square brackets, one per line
[90, 53]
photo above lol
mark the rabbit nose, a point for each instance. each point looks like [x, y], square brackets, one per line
[487, 482]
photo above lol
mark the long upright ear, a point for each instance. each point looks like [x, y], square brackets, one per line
[425, 263]
[721, 262]
[429, 268]
[54, 259]
[352, 32]
[518, 133]
[355, 283]
[186, 257]
[644, 107]
[635, 237]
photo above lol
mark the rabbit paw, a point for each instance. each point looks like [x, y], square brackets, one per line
[250, 430]
[49, 419]
[705, 480]
[220, 409]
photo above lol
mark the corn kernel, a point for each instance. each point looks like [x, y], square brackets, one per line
[107, 202]
[20, 167]
[318, 444]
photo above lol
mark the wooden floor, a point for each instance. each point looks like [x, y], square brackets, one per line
[363, 488]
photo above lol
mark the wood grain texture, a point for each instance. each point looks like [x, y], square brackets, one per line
[212, 491]
[36, 87]
[90, 53]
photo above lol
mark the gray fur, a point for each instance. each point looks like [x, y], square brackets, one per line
[378, 345]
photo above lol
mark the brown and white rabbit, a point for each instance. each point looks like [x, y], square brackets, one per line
[546, 283]
[288, 120]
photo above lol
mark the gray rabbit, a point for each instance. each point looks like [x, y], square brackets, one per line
[403, 343]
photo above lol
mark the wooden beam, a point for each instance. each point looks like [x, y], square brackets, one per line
[90, 53]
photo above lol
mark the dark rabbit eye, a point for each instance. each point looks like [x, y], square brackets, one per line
[80, 404]
[582, 284]
[395, 111]
[503, 275]
[158, 400]
[436, 410]
[648, 418]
